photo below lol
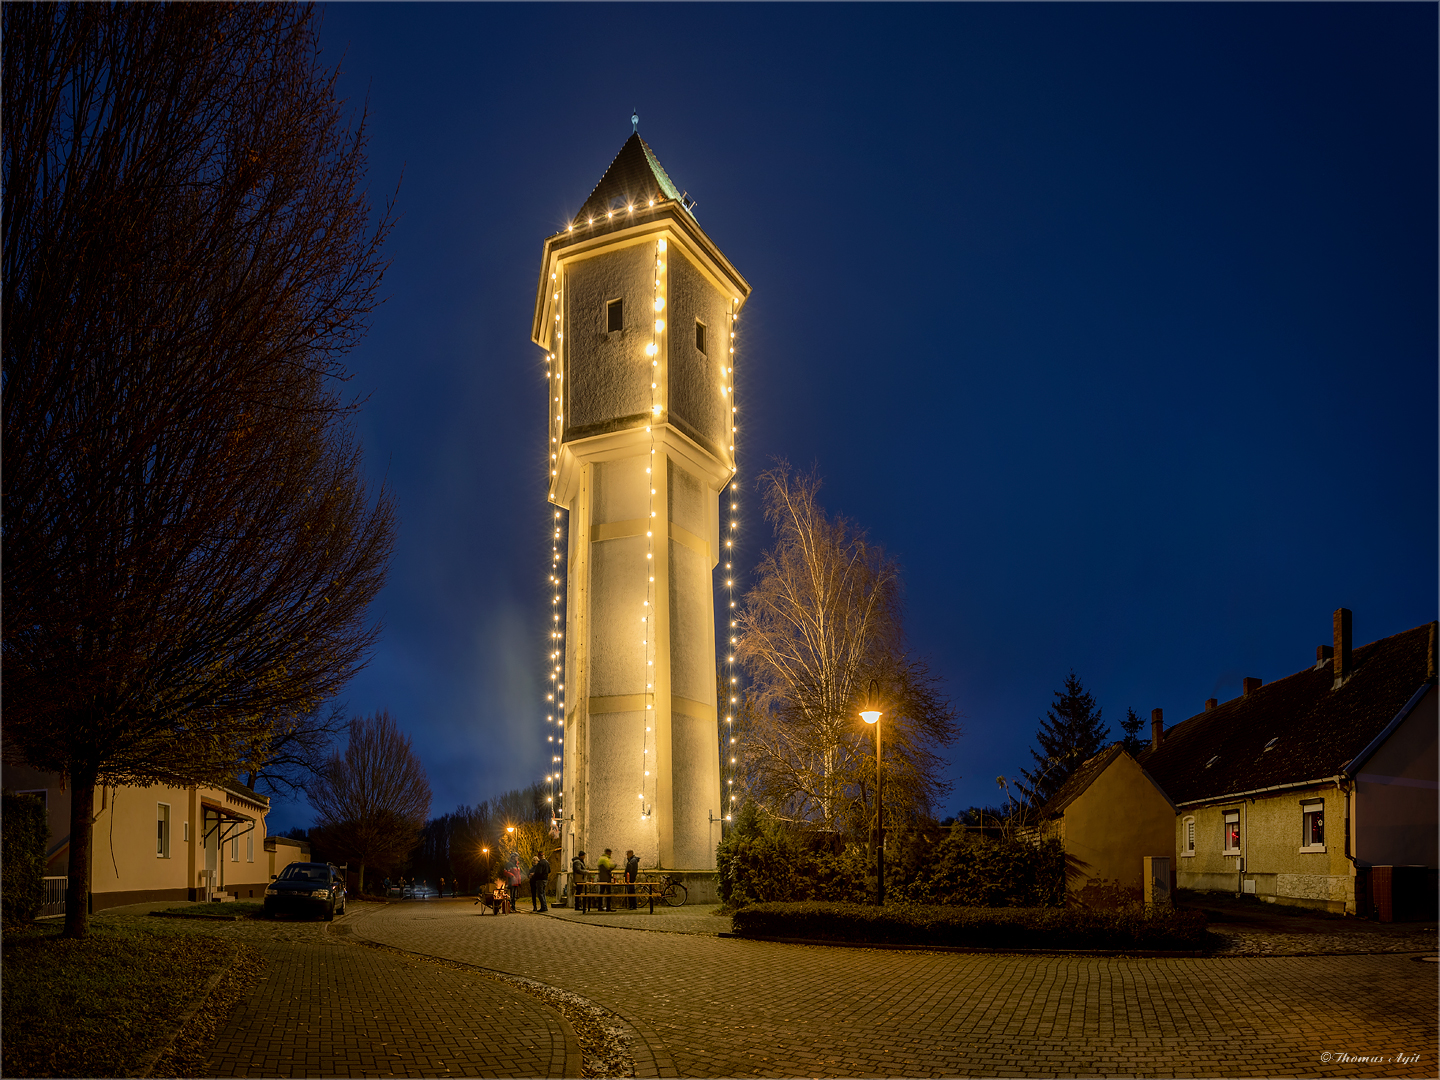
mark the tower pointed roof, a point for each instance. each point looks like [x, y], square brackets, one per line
[635, 175]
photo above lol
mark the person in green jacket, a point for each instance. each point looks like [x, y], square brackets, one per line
[606, 866]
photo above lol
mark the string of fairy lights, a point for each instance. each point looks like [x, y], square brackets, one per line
[728, 751]
[555, 695]
[654, 351]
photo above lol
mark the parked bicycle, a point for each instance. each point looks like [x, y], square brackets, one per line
[672, 891]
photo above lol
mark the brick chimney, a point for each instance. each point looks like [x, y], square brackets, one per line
[1250, 684]
[1324, 652]
[1210, 703]
[1342, 646]
[1157, 728]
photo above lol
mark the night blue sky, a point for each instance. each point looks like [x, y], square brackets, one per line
[1115, 325]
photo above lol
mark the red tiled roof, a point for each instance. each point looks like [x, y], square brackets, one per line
[1317, 730]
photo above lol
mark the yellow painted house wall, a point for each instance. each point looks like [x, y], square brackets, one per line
[126, 865]
[1270, 863]
[1113, 824]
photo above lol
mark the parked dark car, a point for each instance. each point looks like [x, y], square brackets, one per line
[307, 888]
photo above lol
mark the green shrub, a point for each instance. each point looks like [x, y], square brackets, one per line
[22, 857]
[1135, 927]
[762, 860]
[977, 871]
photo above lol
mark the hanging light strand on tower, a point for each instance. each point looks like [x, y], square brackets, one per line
[555, 693]
[728, 752]
[654, 351]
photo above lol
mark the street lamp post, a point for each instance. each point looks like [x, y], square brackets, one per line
[871, 715]
[486, 852]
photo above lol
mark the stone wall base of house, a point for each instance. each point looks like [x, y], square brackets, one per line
[1319, 892]
[1335, 907]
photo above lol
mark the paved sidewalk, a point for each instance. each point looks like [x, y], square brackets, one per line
[325, 1007]
[703, 919]
[698, 1005]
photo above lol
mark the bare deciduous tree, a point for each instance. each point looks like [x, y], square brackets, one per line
[295, 752]
[190, 547]
[824, 618]
[371, 801]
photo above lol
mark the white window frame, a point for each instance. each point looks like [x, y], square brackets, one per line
[1227, 817]
[1308, 807]
[185, 832]
[250, 846]
[234, 849]
[1187, 838]
[162, 830]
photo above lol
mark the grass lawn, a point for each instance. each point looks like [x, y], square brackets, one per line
[96, 1007]
[232, 910]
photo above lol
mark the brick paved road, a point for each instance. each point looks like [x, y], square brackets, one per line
[327, 1008]
[704, 1006]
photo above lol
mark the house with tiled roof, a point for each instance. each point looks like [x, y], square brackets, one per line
[1318, 789]
[1108, 816]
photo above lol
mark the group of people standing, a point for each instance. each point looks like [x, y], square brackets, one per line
[502, 895]
[605, 875]
[501, 898]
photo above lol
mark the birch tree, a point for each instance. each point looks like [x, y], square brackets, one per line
[824, 619]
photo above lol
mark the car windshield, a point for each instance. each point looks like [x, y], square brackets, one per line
[305, 872]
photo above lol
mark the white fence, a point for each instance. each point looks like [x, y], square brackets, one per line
[54, 896]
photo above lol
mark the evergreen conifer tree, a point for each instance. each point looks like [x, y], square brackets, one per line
[1071, 733]
[1132, 724]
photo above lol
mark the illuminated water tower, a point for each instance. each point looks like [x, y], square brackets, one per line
[636, 311]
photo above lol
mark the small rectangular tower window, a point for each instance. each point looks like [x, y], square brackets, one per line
[699, 335]
[614, 316]
[1232, 832]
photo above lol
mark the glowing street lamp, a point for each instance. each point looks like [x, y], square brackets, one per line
[871, 715]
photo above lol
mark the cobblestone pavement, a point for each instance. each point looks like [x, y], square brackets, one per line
[702, 919]
[698, 1005]
[1242, 941]
[324, 1007]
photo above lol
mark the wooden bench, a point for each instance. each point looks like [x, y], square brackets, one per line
[585, 893]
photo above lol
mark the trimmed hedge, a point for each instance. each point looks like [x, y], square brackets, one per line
[22, 854]
[1134, 927]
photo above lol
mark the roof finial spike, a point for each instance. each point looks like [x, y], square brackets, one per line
[635, 121]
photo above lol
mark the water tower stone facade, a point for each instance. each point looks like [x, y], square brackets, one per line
[635, 311]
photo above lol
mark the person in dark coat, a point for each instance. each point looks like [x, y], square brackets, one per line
[632, 874]
[539, 880]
